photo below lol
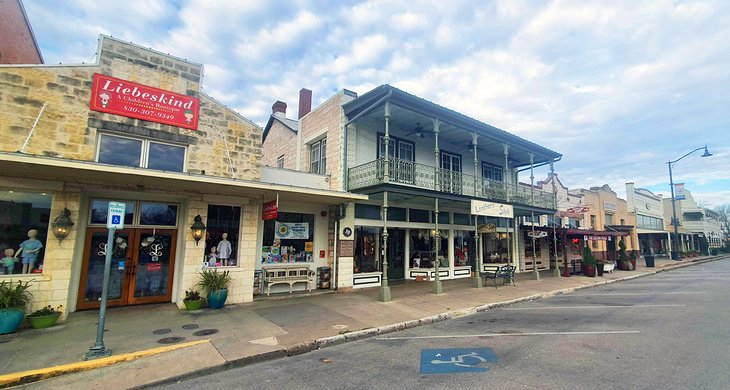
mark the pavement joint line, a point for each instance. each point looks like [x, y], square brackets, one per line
[589, 307]
[24, 377]
[370, 332]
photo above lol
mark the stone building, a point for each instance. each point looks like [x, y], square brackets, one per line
[134, 128]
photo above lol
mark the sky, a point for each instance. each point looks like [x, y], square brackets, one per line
[618, 87]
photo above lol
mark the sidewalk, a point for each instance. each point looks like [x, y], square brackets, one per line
[260, 330]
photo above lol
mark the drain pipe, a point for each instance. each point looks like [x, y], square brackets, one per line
[344, 131]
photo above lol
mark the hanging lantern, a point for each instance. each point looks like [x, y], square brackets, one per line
[198, 229]
[62, 225]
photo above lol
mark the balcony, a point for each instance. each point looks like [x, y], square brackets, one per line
[421, 176]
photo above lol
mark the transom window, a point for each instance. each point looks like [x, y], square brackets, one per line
[319, 157]
[136, 213]
[138, 152]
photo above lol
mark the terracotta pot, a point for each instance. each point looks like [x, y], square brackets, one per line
[589, 270]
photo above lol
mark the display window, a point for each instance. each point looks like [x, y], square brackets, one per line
[496, 247]
[423, 248]
[222, 233]
[367, 250]
[24, 220]
[288, 239]
[464, 253]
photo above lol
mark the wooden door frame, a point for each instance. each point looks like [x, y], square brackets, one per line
[131, 300]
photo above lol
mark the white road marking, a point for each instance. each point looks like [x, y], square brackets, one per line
[631, 293]
[456, 336]
[587, 307]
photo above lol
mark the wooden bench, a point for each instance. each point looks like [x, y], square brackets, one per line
[286, 275]
[498, 271]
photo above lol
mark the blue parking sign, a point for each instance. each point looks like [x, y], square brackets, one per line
[455, 360]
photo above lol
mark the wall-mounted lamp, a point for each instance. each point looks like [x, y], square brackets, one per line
[198, 229]
[62, 225]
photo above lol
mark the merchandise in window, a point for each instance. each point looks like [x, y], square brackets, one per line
[288, 239]
[367, 250]
[423, 248]
[463, 248]
[133, 152]
[222, 235]
[496, 247]
[24, 219]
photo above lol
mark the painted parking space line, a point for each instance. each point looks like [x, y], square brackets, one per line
[466, 336]
[456, 360]
[588, 307]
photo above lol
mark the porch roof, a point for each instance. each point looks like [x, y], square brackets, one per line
[414, 103]
[19, 165]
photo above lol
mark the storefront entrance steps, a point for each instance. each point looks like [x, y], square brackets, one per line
[262, 330]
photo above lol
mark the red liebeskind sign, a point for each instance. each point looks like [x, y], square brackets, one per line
[122, 97]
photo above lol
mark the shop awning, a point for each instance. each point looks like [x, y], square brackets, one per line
[598, 233]
[52, 169]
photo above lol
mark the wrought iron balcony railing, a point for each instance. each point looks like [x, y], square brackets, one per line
[409, 173]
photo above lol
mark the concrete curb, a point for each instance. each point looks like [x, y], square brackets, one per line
[24, 377]
[324, 342]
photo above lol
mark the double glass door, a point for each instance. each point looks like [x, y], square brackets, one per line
[450, 173]
[142, 266]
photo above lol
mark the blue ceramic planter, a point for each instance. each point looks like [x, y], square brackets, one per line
[216, 299]
[10, 319]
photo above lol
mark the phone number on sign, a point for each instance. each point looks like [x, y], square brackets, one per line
[143, 111]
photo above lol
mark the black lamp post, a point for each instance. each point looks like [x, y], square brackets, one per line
[675, 221]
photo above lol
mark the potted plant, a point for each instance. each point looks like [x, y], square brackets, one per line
[193, 300]
[215, 283]
[623, 259]
[13, 300]
[589, 263]
[45, 317]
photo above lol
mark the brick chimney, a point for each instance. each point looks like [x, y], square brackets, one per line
[305, 102]
[279, 106]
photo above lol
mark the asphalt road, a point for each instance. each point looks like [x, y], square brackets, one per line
[666, 331]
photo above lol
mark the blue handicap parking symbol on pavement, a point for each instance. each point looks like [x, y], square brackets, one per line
[447, 361]
[116, 219]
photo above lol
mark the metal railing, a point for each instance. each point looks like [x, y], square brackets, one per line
[409, 173]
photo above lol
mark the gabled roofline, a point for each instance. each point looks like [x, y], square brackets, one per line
[270, 123]
[418, 104]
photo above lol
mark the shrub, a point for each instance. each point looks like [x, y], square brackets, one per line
[14, 296]
[588, 258]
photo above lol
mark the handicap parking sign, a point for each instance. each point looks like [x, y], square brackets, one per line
[455, 360]
[115, 218]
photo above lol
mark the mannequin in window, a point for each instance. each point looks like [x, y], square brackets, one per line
[28, 251]
[224, 249]
[212, 257]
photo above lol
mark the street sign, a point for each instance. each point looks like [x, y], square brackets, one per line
[115, 215]
[455, 360]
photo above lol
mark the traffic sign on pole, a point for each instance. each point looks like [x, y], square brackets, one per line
[115, 215]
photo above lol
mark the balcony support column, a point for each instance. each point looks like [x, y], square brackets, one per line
[506, 169]
[437, 286]
[384, 293]
[437, 165]
[478, 282]
[477, 175]
[556, 271]
[386, 139]
[535, 273]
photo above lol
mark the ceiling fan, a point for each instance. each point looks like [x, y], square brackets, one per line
[418, 131]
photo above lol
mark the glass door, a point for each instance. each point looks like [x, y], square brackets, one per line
[92, 273]
[151, 274]
[396, 254]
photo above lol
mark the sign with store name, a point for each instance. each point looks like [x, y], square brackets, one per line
[537, 234]
[491, 209]
[679, 193]
[115, 215]
[578, 209]
[597, 238]
[125, 98]
[291, 230]
[270, 210]
[609, 206]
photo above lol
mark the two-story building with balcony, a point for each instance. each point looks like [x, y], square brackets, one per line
[696, 223]
[442, 187]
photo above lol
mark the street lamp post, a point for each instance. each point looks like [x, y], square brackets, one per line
[675, 221]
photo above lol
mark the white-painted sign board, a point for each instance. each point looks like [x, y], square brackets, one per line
[491, 209]
[115, 215]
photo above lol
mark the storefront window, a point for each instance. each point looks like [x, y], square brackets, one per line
[423, 248]
[24, 219]
[415, 215]
[496, 247]
[288, 239]
[396, 214]
[367, 211]
[463, 247]
[134, 152]
[222, 234]
[100, 208]
[158, 214]
[367, 250]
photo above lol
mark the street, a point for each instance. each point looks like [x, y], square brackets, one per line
[664, 331]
